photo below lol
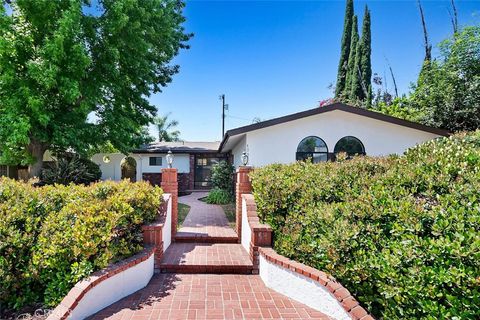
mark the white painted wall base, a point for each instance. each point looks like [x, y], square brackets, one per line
[167, 226]
[246, 230]
[301, 289]
[113, 289]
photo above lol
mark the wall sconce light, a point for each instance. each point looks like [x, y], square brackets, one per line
[106, 159]
[169, 158]
[245, 157]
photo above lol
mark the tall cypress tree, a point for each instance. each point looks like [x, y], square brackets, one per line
[356, 92]
[351, 58]
[365, 60]
[345, 49]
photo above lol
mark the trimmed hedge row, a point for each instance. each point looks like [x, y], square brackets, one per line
[53, 236]
[401, 233]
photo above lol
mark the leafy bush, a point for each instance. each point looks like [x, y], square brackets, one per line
[52, 236]
[222, 176]
[68, 169]
[401, 233]
[218, 196]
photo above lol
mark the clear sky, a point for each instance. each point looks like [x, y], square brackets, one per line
[272, 58]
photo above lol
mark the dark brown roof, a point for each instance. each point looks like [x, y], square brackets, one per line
[332, 107]
[179, 147]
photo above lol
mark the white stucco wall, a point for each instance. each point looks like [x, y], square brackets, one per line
[113, 289]
[180, 161]
[300, 288]
[113, 170]
[278, 143]
[246, 230]
[167, 227]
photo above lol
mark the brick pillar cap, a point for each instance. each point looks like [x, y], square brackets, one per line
[169, 169]
[244, 168]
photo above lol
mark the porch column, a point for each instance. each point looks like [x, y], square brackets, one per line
[170, 185]
[244, 185]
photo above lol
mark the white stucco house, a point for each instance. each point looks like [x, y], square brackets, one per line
[318, 133]
[322, 132]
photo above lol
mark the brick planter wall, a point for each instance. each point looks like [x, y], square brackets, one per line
[74, 305]
[242, 186]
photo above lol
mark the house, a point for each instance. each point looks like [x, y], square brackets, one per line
[194, 161]
[322, 132]
[319, 134]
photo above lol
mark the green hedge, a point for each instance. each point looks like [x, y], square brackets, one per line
[53, 236]
[401, 233]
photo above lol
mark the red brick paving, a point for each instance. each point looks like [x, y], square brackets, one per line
[206, 258]
[204, 220]
[204, 296]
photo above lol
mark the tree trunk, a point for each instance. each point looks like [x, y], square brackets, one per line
[36, 149]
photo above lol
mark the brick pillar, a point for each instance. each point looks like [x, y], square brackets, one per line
[170, 185]
[243, 186]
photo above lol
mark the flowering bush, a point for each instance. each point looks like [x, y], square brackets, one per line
[401, 233]
[53, 236]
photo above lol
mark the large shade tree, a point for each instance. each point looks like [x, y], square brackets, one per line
[76, 75]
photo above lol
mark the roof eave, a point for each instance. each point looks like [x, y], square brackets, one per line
[335, 106]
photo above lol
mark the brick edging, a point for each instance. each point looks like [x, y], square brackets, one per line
[75, 295]
[347, 301]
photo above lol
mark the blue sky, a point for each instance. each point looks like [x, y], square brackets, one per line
[272, 58]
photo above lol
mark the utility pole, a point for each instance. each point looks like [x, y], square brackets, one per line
[224, 107]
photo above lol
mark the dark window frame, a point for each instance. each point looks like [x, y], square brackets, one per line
[353, 154]
[304, 155]
[155, 163]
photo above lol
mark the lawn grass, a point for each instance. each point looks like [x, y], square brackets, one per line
[183, 211]
[229, 210]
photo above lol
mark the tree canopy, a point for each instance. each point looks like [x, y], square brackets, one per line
[166, 128]
[74, 80]
[448, 91]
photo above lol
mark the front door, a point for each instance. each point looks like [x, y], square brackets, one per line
[203, 171]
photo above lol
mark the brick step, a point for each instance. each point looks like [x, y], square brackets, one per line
[205, 269]
[226, 258]
[202, 238]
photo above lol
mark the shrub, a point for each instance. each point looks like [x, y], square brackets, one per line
[222, 176]
[68, 169]
[52, 236]
[401, 233]
[218, 196]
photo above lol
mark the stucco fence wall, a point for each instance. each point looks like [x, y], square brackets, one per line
[121, 279]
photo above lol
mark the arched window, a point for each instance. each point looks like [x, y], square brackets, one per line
[312, 148]
[350, 145]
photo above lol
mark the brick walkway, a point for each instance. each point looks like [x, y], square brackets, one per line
[206, 258]
[229, 294]
[202, 296]
[204, 220]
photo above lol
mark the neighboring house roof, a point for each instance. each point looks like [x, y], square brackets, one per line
[179, 147]
[328, 108]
